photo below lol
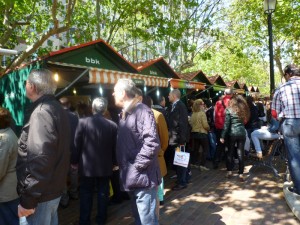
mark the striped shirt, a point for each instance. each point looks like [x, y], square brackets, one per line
[286, 100]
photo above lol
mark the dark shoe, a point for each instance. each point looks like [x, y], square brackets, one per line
[179, 187]
[74, 195]
[228, 174]
[241, 178]
[189, 181]
[64, 205]
[161, 202]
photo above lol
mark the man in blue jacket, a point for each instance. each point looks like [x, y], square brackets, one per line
[137, 153]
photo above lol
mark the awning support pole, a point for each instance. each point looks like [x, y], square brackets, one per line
[204, 91]
[73, 82]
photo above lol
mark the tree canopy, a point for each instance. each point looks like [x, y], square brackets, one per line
[228, 38]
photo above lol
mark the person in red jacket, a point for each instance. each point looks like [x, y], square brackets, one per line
[219, 124]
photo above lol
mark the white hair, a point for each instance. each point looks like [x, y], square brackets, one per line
[99, 105]
[43, 81]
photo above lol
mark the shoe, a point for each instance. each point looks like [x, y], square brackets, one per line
[74, 195]
[228, 174]
[257, 155]
[203, 168]
[179, 187]
[174, 176]
[189, 182]
[241, 177]
[194, 166]
[161, 202]
[216, 166]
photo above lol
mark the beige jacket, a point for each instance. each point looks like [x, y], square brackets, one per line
[8, 159]
[162, 130]
[199, 122]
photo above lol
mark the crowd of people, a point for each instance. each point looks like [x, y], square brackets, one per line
[62, 153]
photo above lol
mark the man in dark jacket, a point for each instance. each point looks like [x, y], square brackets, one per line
[43, 160]
[137, 152]
[73, 171]
[95, 142]
[178, 133]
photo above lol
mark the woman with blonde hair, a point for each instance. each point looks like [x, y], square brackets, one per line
[200, 127]
[237, 114]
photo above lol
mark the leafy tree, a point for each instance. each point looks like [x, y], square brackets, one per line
[32, 22]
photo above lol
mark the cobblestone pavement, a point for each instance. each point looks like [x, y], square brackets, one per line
[211, 199]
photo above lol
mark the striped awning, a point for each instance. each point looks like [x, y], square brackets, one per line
[104, 76]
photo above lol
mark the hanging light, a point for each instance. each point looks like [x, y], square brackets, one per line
[157, 92]
[56, 77]
[100, 90]
[145, 89]
[74, 91]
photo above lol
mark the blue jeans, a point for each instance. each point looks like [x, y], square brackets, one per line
[144, 206]
[9, 212]
[45, 213]
[291, 134]
[212, 144]
[86, 191]
[262, 134]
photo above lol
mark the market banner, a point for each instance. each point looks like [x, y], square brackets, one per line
[177, 83]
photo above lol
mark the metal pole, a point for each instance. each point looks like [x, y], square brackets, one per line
[73, 82]
[272, 81]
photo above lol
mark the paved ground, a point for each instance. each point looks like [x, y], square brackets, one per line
[211, 199]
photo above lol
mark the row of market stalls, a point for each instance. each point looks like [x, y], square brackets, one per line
[88, 70]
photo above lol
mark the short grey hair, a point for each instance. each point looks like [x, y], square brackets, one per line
[99, 105]
[176, 92]
[228, 91]
[128, 86]
[43, 81]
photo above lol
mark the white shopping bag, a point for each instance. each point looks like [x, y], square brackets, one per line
[181, 158]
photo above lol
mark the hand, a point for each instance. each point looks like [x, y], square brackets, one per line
[24, 212]
[115, 168]
[74, 166]
[222, 140]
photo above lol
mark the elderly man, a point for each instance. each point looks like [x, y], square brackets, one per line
[43, 159]
[137, 153]
[286, 102]
[178, 134]
[95, 142]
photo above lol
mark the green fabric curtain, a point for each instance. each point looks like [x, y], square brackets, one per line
[13, 89]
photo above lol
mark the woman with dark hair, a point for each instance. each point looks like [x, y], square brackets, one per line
[237, 114]
[8, 179]
[254, 122]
